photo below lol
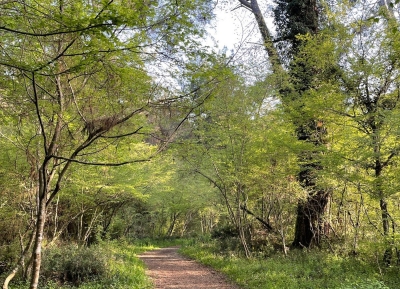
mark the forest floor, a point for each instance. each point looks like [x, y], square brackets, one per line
[168, 269]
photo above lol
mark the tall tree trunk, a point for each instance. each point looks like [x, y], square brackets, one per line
[309, 223]
[266, 35]
[388, 254]
[310, 226]
[378, 166]
[303, 18]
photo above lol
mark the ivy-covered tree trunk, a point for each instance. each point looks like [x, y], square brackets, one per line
[294, 17]
[378, 167]
[309, 222]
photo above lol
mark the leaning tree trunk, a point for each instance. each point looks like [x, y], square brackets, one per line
[21, 260]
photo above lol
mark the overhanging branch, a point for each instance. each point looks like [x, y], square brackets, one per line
[100, 163]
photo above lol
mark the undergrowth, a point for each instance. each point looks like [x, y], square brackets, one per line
[300, 269]
[107, 265]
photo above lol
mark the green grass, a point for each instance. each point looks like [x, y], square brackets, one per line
[124, 269]
[298, 270]
[301, 269]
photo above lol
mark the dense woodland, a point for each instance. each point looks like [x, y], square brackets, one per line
[118, 121]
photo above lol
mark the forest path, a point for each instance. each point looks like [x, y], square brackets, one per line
[168, 269]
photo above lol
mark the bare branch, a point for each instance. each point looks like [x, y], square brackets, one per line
[57, 57]
[36, 103]
[52, 33]
[101, 164]
[266, 225]
[245, 4]
[123, 135]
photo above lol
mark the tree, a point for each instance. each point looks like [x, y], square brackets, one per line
[78, 81]
[294, 18]
[267, 37]
[371, 81]
[357, 89]
[234, 147]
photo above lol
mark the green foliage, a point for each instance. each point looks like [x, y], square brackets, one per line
[366, 284]
[294, 18]
[126, 270]
[72, 264]
[75, 86]
[117, 260]
[67, 73]
[300, 269]
[354, 94]
[242, 145]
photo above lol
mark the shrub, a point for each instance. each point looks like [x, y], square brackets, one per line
[224, 232]
[9, 254]
[73, 264]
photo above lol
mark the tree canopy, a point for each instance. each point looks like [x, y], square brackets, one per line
[118, 120]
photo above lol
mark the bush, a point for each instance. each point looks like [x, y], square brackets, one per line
[73, 264]
[9, 254]
[224, 232]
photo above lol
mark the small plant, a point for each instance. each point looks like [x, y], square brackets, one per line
[73, 264]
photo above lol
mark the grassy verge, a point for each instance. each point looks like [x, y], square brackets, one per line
[298, 270]
[123, 269]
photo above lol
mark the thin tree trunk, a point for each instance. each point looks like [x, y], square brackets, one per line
[385, 216]
[242, 237]
[37, 249]
[56, 218]
[387, 255]
[171, 228]
[21, 260]
[89, 230]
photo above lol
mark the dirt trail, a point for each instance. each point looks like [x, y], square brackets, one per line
[168, 269]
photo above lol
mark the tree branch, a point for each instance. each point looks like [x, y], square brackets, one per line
[266, 225]
[245, 4]
[36, 103]
[52, 33]
[100, 164]
[123, 135]
[57, 57]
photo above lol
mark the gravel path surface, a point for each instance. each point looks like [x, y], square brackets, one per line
[168, 269]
